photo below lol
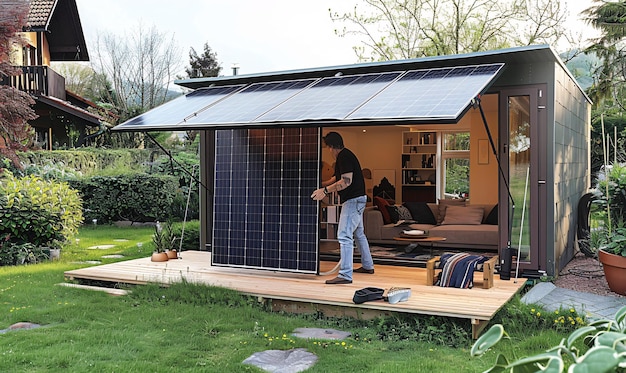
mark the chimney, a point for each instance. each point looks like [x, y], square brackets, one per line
[235, 68]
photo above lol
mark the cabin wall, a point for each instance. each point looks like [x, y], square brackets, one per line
[572, 154]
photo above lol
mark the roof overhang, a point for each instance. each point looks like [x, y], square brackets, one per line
[70, 109]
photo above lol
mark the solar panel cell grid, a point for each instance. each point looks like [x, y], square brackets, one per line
[263, 215]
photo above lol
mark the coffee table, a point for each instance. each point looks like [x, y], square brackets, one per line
[421, 241]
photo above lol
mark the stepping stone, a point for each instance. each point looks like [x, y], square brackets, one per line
[113, 256]
[318, 333]
[120, 240]
[20, 326]
[101, 247]
[290, 361]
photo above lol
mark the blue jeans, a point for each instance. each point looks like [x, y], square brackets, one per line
[351, 230]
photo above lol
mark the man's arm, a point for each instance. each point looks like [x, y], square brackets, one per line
[346, 180]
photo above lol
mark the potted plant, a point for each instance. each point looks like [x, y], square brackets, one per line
[163, 240]
[612, 241]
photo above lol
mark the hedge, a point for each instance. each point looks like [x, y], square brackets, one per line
[137, 198]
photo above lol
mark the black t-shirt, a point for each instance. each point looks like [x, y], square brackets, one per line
[347, 162]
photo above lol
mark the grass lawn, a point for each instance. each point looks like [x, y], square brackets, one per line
[190, 327]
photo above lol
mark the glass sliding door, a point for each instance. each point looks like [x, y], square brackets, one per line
[522, 118]
[519, 172]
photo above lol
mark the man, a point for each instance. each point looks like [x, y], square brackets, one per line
[348, 181]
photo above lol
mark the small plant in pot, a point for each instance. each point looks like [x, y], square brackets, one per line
[163, 240]
[612, 242]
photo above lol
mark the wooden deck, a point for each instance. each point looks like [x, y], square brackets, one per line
[306, 293]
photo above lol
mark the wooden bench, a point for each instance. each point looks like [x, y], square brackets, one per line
[487, 270]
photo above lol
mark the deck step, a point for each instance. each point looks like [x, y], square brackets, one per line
[110, 291]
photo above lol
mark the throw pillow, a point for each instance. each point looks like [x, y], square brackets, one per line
[420, 212]
[461, 215]
[397, 213]
[393, 214]
[380, 203]
[404, 213]
[492, 218]
[443, 203]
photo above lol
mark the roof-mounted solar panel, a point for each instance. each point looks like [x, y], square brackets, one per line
[251, 102]
[176, 111]
[331, 98]
[429, 94]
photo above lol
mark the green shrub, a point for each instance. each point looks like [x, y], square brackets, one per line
[12, 253]
[138, 198]
[39, 211]
[597, 347]
[86, 161]
[191, 237]
[612, 191]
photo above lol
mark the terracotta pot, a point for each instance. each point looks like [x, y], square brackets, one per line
[159, 257]
[614, 271]
[172, 254]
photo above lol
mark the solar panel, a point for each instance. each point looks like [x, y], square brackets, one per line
[175, 111]
[429, 94]
[331, 98]
[263, 215]
[251, 102]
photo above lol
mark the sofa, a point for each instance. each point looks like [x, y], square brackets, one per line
[463, 225]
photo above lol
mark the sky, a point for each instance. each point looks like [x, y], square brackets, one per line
[256, 35]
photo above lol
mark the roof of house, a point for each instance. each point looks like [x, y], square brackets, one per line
[60, 21]
[40, 13]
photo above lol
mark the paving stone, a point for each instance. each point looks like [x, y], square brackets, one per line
[20, 326]
[112, 256]
[594, 306]
[319, 333]
[101, 247]
[283, 361]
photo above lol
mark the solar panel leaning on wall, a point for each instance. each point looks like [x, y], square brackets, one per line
[263, 215]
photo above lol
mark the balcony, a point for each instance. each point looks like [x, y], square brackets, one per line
[38, 81]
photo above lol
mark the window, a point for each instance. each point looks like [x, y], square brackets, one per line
[455, 157]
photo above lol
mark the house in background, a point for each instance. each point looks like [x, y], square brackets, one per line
[524, 120]
[54, 33]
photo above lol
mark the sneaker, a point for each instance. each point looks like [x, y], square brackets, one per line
[363, 270]
[338, 281]
[395, 295]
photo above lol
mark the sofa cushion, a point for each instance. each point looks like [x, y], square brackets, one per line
[397, 213]
[444, 203]
[420, 212]
[463, 215]
[492, 218]
[381, 203]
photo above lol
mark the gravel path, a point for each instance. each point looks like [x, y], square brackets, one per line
[586, 275]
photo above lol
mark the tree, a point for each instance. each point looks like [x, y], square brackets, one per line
[610, 18]
[203, 66]
[138, 67]
[15, 105]
[402, 29]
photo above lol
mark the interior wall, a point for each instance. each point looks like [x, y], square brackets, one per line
[483, 163]
[380, 148]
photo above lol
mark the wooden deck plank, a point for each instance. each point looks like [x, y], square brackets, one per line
[475, 304]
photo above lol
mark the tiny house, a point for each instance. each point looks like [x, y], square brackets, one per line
[515, 120]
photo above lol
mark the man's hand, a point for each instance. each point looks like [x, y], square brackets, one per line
[318, 194]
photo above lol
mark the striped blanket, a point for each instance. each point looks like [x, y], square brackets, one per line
[458, 270]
